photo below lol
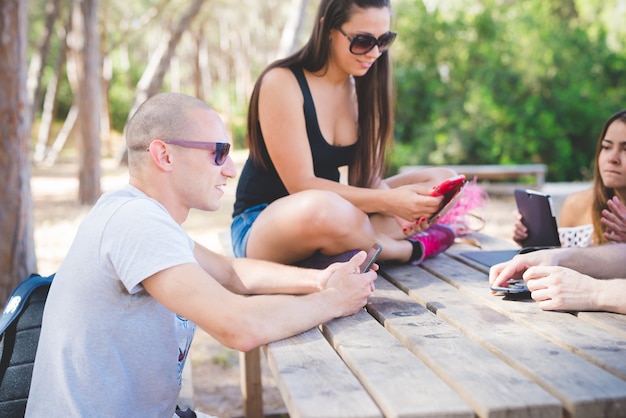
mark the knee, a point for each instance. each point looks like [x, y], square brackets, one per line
[329, 213]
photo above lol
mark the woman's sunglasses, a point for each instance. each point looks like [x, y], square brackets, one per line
[221, 148]
[362, 44]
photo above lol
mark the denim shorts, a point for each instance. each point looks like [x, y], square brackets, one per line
[240, 228]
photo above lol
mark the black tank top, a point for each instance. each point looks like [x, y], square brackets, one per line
[257, 185]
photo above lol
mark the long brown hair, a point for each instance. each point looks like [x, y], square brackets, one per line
[374, 92]
[601, 193]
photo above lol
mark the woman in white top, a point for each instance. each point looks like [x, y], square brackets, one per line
[597, 215]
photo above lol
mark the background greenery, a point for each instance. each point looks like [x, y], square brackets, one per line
[477, 81]
[507, 82]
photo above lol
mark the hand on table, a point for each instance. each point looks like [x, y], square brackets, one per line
[515, 268]
[560, 288]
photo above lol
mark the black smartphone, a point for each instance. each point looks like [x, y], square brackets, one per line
[514, 286]
[372, 255]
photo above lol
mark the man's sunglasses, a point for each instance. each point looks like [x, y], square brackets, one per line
[362, 44]
[221, 148]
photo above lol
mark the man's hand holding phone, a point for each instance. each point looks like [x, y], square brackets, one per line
[372, 255]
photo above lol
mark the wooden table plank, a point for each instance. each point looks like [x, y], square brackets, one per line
[449, 345]
[583, 388]
[582, 338]
[612, 322]
[488, 384]
[314, 381]
[401, 385]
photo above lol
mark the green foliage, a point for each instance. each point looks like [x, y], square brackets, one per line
[121, 95]
[502, 82]
[477, 81]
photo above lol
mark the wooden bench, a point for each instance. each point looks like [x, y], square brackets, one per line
[497, 172]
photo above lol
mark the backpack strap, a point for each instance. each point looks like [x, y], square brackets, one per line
[18, 299]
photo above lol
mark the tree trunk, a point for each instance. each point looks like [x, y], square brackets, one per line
[17, 244]
[291, 32]
[40, 56]
[64, 134]
[151, 81]
[50, 101]
[89, 188]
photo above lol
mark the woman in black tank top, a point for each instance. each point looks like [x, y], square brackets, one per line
[326, 108]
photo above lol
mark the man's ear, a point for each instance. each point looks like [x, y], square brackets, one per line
[160, 155]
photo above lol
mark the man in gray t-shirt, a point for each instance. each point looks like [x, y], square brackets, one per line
[122, 310]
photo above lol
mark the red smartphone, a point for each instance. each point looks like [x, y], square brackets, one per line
[450, 189]
[372, 255]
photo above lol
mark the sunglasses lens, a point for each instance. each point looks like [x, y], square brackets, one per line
[221, 152]
[385, 41]
[362, 44]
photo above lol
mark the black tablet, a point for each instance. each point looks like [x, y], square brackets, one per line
[538, 215]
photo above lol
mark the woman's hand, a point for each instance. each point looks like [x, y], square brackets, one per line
[520, 232]
[412, 204]
[615, 220]
[410, 228]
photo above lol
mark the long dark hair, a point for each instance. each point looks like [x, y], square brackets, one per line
[373, 90]
[601, 193]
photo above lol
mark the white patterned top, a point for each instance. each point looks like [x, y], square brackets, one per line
[576, 236]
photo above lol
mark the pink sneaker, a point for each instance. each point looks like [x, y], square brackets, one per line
[432, 241]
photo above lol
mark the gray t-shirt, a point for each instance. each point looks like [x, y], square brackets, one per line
[107, 348]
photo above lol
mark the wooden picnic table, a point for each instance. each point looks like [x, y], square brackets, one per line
[434, 341]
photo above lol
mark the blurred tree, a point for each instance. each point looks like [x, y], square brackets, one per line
[39, 57]
[478, 81]
[289, 40]
[42, 153]
[502, 82]
[86, 49]
[17, 246]
[151, 81]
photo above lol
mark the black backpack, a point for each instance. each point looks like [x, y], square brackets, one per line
[20, 326]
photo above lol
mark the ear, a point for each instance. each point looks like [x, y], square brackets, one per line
[160, 155]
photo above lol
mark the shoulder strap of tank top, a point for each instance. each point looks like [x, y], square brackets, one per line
[304, 87]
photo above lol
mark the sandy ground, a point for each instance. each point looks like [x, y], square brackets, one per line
[215, 368]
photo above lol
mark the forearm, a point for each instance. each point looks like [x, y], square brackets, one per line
[266, 318]
[245, 322]
[252, 277]
[255, 277]
[610, 295]
[601, 262]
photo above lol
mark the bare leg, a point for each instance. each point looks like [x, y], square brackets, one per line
[298, 225]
